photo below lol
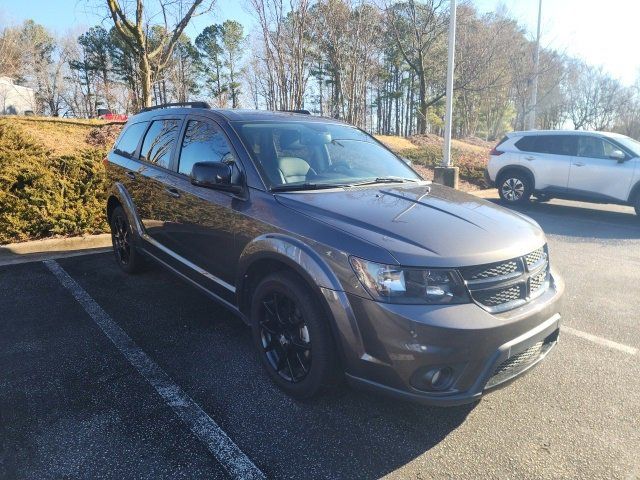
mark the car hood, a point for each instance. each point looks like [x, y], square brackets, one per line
[424, 224]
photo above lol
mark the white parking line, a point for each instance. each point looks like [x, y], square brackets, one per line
[233, 460]
[601, 341]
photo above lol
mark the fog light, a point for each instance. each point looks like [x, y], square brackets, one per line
[438, 378]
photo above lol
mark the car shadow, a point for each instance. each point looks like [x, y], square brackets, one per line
[209, 353]
[580, 220]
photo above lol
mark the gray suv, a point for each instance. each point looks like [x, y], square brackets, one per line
[341, 259]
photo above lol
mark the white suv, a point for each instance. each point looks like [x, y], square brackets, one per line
[589, 166]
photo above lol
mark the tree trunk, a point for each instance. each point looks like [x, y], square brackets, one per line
[145, 80]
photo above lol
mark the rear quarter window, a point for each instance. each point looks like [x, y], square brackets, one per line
[526, 144]
[130, 138]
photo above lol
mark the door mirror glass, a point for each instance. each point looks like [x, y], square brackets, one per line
[618, 155]
[214, 175]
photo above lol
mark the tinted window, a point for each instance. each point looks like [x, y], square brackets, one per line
[203, 142]
[559, 144]
[159, 141]
[594, 147]
[553, 144]
[526, 144]
[128, 141]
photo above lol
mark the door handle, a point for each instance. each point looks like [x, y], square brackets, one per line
[172, 192]
[579, 164]
[131, 175]
[530, 158]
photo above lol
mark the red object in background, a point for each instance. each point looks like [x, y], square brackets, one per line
[115, 117]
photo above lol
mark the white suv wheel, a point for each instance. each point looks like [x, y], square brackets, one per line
[512, 189]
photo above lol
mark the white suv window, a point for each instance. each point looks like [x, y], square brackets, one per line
[551, 144]
[594, 147]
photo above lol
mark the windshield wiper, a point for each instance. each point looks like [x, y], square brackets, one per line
[383, 180]
[305, 186]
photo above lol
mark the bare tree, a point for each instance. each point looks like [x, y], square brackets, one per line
[130, 22]
[286, 47]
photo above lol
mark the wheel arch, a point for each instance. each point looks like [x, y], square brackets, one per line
[634, 194]
[120, 196]
[112, 203]
[274, 252]
[516, 168]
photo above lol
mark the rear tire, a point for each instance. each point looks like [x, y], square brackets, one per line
[293, 336]
[514, 188]
[636, 205]
[127, 257]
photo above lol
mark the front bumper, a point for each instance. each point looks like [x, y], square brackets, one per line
[390, 344]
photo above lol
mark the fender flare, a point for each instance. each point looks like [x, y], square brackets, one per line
[290, 251]
[307, 263]
[120, 193]
[519, 168]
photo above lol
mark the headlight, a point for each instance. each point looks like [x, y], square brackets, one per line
[394, 284]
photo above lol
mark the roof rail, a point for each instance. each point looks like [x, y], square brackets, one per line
[179, 104]
[302, 111]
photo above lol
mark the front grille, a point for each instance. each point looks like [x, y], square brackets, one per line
[536, 282]
[491, 271]
[535, 258]
[502, 286]
[519, 362]
[494, 297]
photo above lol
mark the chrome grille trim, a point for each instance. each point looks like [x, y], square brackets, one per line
[536, 258]
[501, 286]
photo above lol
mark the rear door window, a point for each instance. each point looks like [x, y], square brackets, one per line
[560, 144]
[551, 144]
[130, 138]
[159, 142]
[203, 142]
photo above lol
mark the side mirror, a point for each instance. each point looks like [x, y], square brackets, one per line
[214, 175]
[618, 155]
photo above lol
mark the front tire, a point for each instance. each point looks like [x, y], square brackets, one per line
[292, 336]
[127, 257]
[515, 188]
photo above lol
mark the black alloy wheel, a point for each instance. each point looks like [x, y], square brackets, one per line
[293, 336]
[121, 239]
[285, 337]
[125, 252]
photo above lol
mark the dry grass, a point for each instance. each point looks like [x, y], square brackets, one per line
[396, 143]
[60, 135]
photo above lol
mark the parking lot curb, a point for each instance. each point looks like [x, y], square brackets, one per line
[50, 248]
[486, 193]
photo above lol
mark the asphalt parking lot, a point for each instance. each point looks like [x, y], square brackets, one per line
[84, 399]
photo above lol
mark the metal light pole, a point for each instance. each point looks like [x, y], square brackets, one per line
[536, 68]
[447, 174]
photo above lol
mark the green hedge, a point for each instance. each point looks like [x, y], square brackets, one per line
[42, 194]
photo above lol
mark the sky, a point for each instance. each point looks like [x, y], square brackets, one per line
[601, 33]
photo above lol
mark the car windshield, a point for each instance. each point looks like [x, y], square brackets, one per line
[312, 155]
[629, 143]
